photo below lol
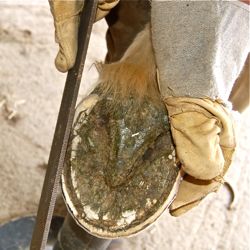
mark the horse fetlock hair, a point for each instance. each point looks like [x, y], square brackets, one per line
[134, 74]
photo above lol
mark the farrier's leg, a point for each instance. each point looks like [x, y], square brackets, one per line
[200, 51]
[73, 237]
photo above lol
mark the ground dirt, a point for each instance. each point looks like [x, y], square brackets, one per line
[30, 93]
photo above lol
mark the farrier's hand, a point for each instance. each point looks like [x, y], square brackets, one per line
[203, 134]
[66, 21]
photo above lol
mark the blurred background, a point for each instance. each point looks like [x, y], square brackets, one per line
[30, 94]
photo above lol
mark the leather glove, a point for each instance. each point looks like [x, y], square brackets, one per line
[203, 133]
[66, 22]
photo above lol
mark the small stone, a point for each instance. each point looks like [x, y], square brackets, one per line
[141, 183]
[154, 201]
[148, 202]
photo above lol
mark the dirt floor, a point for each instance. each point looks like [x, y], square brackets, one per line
[30, 93]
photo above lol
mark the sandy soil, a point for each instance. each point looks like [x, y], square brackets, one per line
[30, 93]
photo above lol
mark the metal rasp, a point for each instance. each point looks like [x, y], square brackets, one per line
[62, 131]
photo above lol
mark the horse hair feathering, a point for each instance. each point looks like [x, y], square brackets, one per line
[135, 73]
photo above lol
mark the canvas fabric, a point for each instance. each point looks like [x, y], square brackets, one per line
[200, 46]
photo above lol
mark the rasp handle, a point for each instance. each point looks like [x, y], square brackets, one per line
[62, 131]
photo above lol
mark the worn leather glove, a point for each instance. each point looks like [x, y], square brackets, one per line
[203, 133]
[66, 21]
